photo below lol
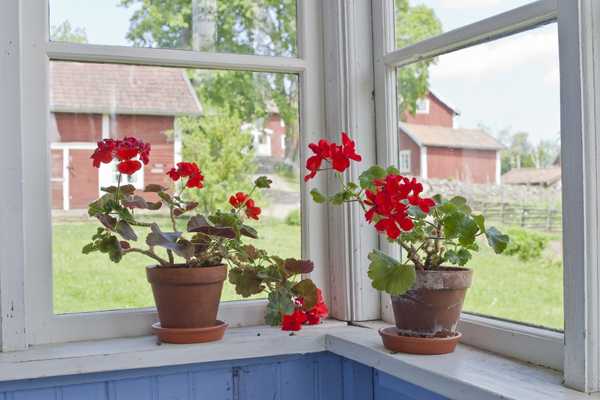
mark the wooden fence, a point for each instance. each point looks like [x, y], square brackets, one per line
[538, 218]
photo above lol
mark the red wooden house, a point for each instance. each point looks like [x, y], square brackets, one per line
[432, 148]
[89, 102]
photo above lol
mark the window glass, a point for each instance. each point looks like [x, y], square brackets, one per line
[493, 136]
[416, 20]
[261, 27]
[192, 115]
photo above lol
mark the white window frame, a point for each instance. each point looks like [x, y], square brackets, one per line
[25, 271]
[404, 161]
[576, 352]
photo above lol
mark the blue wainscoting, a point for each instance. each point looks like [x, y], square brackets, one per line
[320, 376]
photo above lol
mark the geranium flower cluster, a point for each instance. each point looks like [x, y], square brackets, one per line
[389, 204]
[242, 200]
[338, 155]
[188, 170]
[129, 151]
[295, 320]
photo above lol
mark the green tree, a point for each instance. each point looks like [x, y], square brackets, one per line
[223, 152]
[241, 26]
[413, 23]
[64, 32]
[266, 27]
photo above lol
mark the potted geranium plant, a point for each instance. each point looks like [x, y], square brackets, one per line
[190, 265]
[437, 237]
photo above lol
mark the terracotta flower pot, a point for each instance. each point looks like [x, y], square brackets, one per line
[431, 309]
[187, 299]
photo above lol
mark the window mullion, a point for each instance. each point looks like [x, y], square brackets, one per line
[349, 107]
[386, 121]
[12, 294]
[579, 29]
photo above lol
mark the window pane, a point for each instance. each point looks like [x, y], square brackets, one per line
[492, 135]
[421, 19]
[261, 27]
[234, 125]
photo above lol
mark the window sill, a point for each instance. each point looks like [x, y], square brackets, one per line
[466, 374]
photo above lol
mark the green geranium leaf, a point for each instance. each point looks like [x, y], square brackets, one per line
[480, 221]
[280, 304]
[308, 291]
[246, 281]
[389, 275]
[126, 231]
[367, 177]
[262, 182]
[463, 256]
[318, 197]
[496, 239]
[337, 198]
[468, 231]
[391, 170]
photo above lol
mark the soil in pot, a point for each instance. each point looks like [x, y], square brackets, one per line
[187, 298]
[431, 309]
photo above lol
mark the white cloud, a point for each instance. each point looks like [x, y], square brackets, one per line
[533, 49]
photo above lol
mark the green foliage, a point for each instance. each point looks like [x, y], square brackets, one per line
[241, 26]
[223, 152]
[413, 23]
[256, 271]
[389, 275]
[293, 218]
[526, 244]
[65, 32]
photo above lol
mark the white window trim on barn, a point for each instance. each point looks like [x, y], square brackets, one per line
[423, 106]
[404, 161]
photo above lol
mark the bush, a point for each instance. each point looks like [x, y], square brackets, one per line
[223, 152]
[293, 218]
[525, 244]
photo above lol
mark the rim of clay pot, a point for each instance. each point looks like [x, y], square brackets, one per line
[444, 278]
[393, 341]
[190, 335]
[181, 274]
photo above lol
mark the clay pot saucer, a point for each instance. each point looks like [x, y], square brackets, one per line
[190, 335]
[393, 341]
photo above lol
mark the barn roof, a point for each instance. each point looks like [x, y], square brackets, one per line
[121, 89]
[441, 136]
[532, 176]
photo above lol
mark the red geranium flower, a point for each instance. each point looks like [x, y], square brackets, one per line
[318, 312]
[189, 170]
[293, 321]
[338, 155]
[129, 167]
[126, 149]
[240, 200]
[251, 210]
[390, 202]
[104, 152]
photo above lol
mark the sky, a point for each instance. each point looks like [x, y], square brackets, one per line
[511, 83]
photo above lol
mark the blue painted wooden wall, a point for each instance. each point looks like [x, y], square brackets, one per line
[321, 376]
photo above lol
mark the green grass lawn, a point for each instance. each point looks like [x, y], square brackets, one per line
[503, 286]
[92, 282]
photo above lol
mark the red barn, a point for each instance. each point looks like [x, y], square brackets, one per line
[89, 102]
[431, 148]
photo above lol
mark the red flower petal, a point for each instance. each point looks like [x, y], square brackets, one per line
[129, 167]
